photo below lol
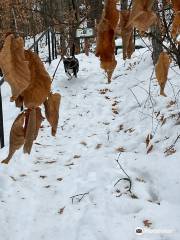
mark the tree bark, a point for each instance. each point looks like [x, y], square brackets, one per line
[156, 35]
[124, 4]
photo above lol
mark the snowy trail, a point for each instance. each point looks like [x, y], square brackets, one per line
[97, 121]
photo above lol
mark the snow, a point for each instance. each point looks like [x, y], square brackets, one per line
[143, 42]
[97, 120]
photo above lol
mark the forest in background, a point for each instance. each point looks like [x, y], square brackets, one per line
[34, 16]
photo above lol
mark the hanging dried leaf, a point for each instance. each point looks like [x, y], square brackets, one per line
[142, 16]
[39, 119]
[111, 13]
[176, 25]
[39, 88]
[176, 5]
[109, 68]
[30, 130]
[52, 111]
[14, 66]
[127, 34]
[161, 70]
[105, 41]
[19, 101]
[17, 136]
[106, 37]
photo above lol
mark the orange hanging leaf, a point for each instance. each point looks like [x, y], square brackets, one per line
[176, 5]
[30, 130]
[52, 110]
[105, 45]
[39, 87]
[14, 65]
[161, 70]
[39, 119]
[126, 34]
[17, 136]
[176, 25]
[142, 16]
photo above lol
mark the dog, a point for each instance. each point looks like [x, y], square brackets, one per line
[71, 64]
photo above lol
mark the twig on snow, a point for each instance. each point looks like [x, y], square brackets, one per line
[79, 197]
[174, 143]
[135, 97]
[127, 178]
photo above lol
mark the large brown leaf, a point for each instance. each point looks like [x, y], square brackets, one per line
[176, 25]
[17, 136]
[105, 45]
[161, 70]
[39, 119]
[126, 34]
[52, 110]
[142, 16]
[14, 66]
[176, 5]
[39, 88]
[30, 130]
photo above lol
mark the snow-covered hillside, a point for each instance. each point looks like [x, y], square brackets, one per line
[68, 187]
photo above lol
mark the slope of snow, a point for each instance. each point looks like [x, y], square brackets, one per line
[99, 124]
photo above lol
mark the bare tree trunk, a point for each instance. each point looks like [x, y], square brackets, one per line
[124, 4]
[156, 36]
[94, 15]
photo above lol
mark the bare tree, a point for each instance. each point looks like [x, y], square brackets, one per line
[156, 34]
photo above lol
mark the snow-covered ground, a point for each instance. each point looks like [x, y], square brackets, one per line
[68, 187]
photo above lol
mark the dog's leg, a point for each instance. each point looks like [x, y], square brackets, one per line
[68, 75]
[75, 72]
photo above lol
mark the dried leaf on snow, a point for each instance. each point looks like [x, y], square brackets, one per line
[149, 148]
[148, 139]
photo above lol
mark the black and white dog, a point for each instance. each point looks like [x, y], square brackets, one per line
[71, 65]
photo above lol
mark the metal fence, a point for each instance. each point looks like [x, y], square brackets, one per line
[51, 42]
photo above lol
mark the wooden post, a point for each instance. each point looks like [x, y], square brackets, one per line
[86, 46]
[1, 123]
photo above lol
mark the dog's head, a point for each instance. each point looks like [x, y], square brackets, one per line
[71, 63]
[71, 66]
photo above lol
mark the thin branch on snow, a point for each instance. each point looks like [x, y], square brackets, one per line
[135, 97]
[79, 197]
[127, 176]
[173, 145]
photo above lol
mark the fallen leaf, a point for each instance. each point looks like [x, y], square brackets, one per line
[147, 223]
[98, 146]
[150, 149]
[120, 149]
[61, 210]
